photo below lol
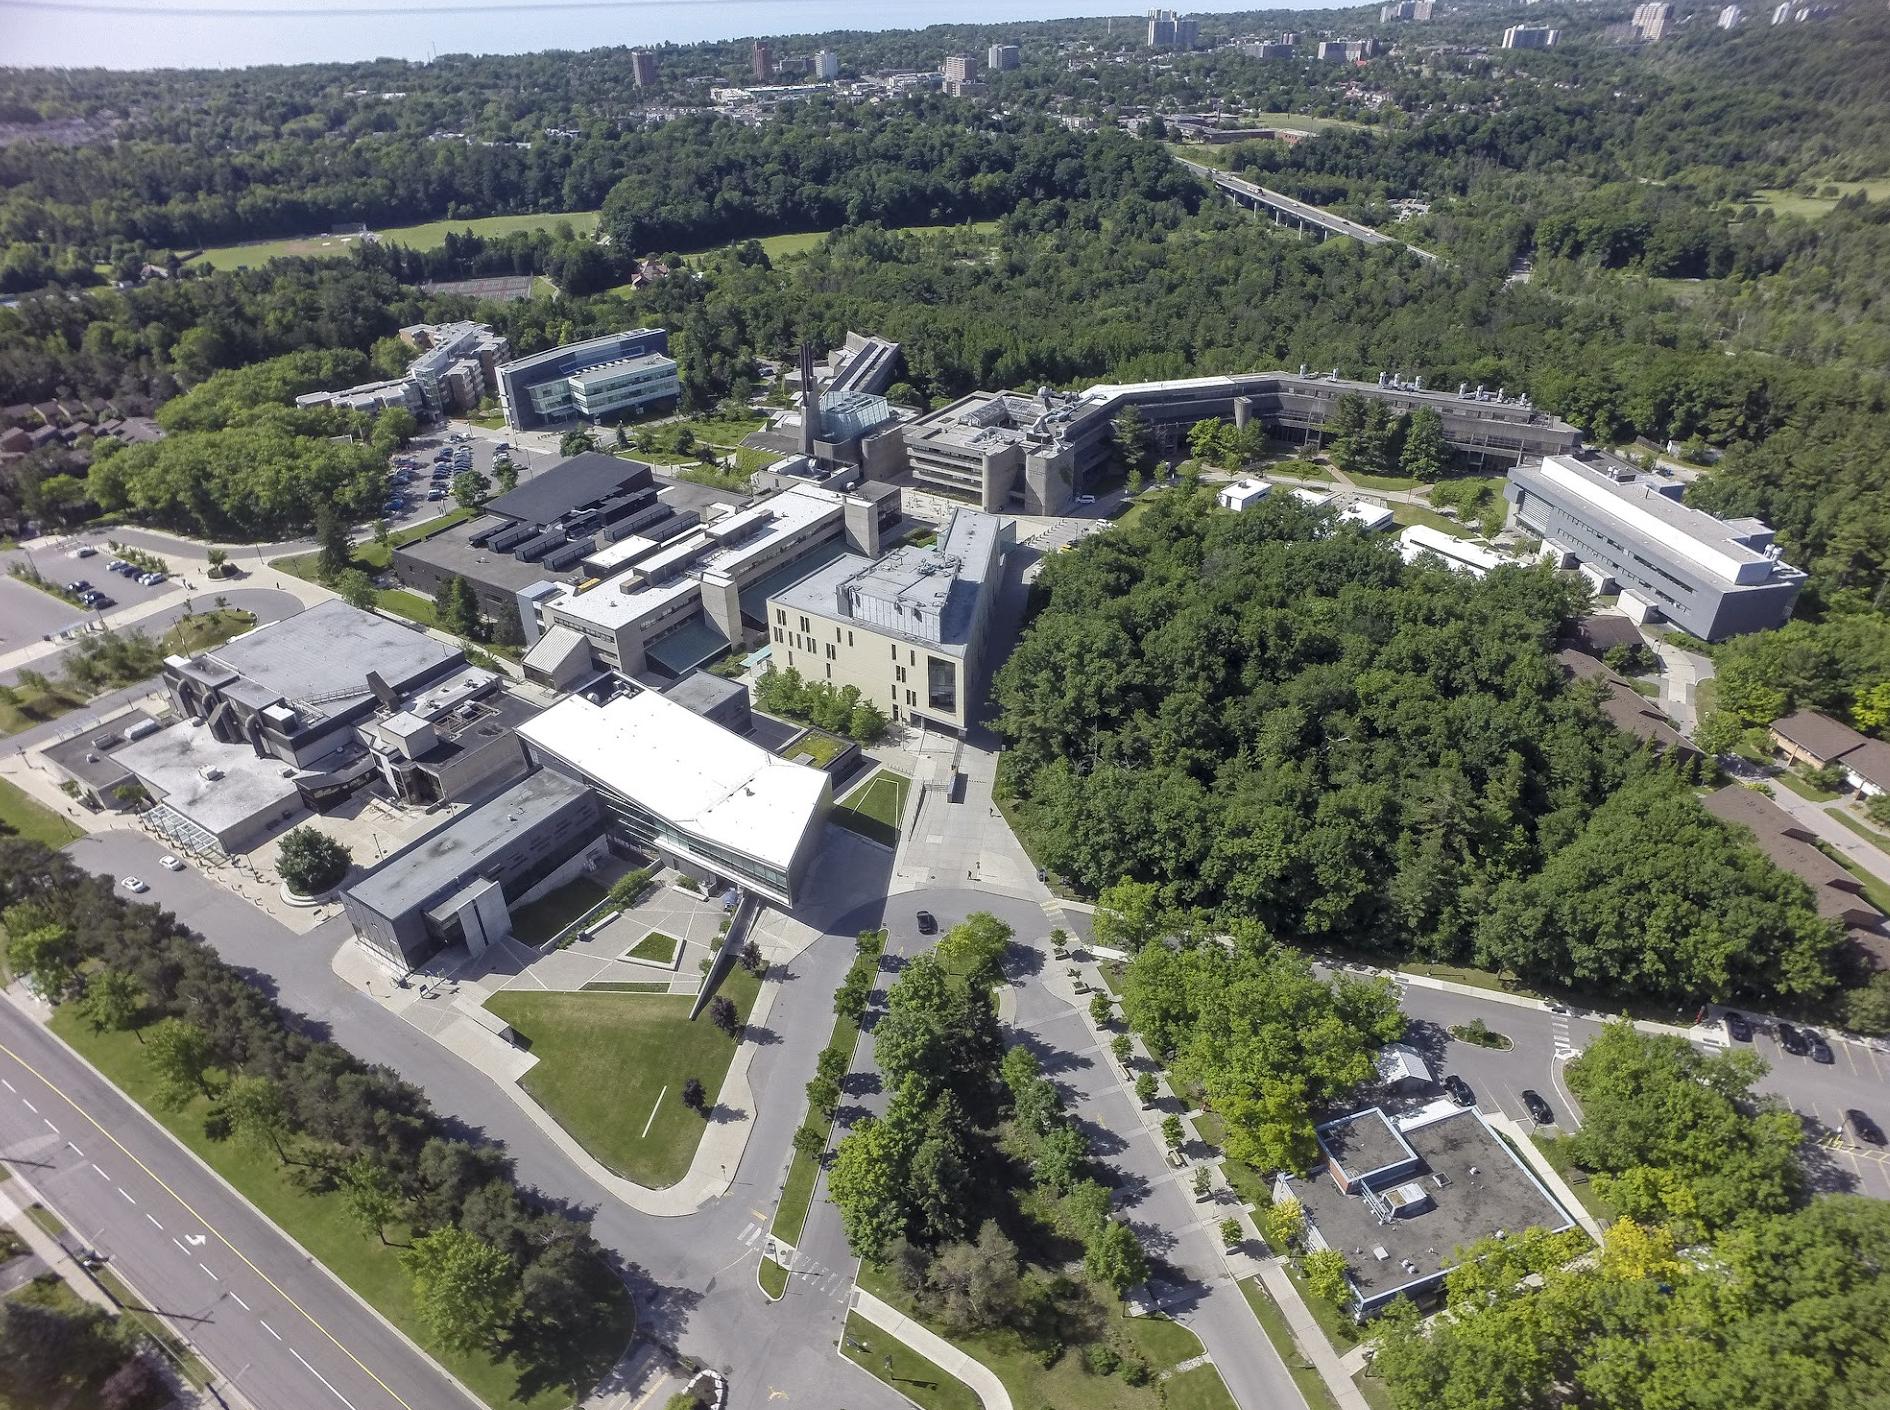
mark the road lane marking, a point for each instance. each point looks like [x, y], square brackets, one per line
[320, 1377]
[30, 1107]
[100, 1173]
[180, 1248]
[128, 1198]
[9, 1086]
[75, 1150]
[154, 1222]
[50, 1127]
[239, 1302]
[271, 1330]
[213, 1277]
[186, 1205]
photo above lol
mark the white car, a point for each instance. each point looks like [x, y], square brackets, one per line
[1085, 499]
[84, 551]
[170, 863]
[134, 885]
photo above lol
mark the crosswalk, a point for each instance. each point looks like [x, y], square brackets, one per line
[1558, 1028]
[813, 1275]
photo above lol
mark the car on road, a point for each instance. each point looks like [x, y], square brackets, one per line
[1820, 1050]
[1791, 1040]
[928, 923]
[170, 863]
[1459, 1090]
[1085, 499]
[134, 885]
[1862, 1128]
[1737, 1028]
[1537, 1108]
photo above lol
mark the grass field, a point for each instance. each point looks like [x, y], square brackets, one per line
[552, 912]
[203, 630]
[428, 236]
[31, 707]
[1785, 203]
[373, 558]
[1804, 787]
[324, 1227]
[921, 1381]
[800, 242]
[611, 1069]
[797, 1191]
[1869, 834]
[27, 817]
[874, 809]
[656, 946]
[1407, 514]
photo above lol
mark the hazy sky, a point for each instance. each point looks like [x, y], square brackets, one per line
[131, 34]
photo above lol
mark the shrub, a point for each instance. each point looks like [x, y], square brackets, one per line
[694, 1097]
[626, 888]
[1101, 1358]
[311, 862]
[1231, 1232]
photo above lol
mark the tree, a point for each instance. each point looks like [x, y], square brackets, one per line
[311, 862]
[1203, 1180]
[1209, 441]
[1231, 1233]
[1061, 1156]
[1114, 1257]
[810, 1142]
[470, 489]
[505, 474]
[1172, 1132]
[465, 1289]
[1283, 1223]
[576, 442]
[1426, 454]
[253, 1108]
[357, 589]
[180, 1056]
[823, 1096]
[974, 1287]
[46, 957]
[1102, 1009]
[1877, 808]
[1131, 432]
[975, 948]
[1128, 915]
[335, 551]
[724, 1015]
[1122, 1049]
[751, 959]
[114, 1000]
[1326, 1276]
[383, 533]
[371, 1193]
[1145, 1088]
[694, 1097]
[456, 608]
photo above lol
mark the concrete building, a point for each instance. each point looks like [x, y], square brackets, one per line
[1268, 49]
[1372, 518]
[450, 741]
[1652, 21]
[619, 374]
[1420, 541]
[681, 788]
[1243, 493]
[540, 530]
[642, 68]
[1530, 36]
[761, 60]
[664, 607]
[90, 765]
[455, 371]
[866, 623]
[211, 796]
[1729, 17]
[1008, 450]
[826, 65]
[1399, 1196]
[1415, 11]
[1002, 58]
[960, 68]
[1168, 30]
[1347, 51]
[1713, 577]
[459, 885]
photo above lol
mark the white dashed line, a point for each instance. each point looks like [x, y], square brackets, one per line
[271, 1330]
[180, 1248]
[75, 1150]
[154, 1223]
[323, 1379]
[100, 1173]
[213, 1277]
[50, 1127]
[128, 1198]
[9, 1086]
[239, 1302]
[30, 1107]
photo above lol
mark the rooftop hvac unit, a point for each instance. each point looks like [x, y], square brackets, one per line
[507, 539]
[537, 548]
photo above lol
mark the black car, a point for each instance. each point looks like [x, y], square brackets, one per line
[1538, 1109]
[78, 586]
[1820, 1050]
[1459, 1090]
[928, 923]
[1791, 1040]
[1863, 1128]
[1737, 1028]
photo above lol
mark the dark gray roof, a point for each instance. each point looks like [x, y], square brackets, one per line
[702, 691]
[583, 479]
[1363, 1143]
[1818, 735]
[84, 755]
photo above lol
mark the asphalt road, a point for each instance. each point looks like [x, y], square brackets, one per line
[271, 1320]
[269, 605]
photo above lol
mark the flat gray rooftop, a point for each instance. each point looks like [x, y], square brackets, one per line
[411, 878]
[1484, 1192]
[328, 648]
[1362, 1143]
[450, 551]
[85, 755]
[177, 763]
[702, 691]
[684, 495]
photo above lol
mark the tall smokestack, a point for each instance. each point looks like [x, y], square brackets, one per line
[810, 401]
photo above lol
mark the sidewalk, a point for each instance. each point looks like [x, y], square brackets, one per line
[1309, 1339]
[981, 1378]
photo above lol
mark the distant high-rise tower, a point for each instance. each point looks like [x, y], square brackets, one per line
[1161, 29]
[1530, 36]
[642, 68]
[1002, 58]
[960, 68]
[1187, 32]
[826, 65]
[761, 59]
[1653, 20]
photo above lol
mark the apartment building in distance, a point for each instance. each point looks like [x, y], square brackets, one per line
[908, 629]
[1653, 20]
[1531, 36]
[616, 375]
[1415, 11]
[1168, 30]
[642, 68]
[1712, 577]
[761, 59]
[1002, 58]
[826, 65]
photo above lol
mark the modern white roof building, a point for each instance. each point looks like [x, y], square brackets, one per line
[678, 785]
[1459, 556]
[1372, 518]
[1243, 493]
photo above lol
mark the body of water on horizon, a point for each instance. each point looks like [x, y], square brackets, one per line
[122, 34]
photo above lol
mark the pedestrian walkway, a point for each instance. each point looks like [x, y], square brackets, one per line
[1309, 1339]
[982, 1379]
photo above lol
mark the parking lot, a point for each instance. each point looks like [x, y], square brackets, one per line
[420, 484]
[28, 615]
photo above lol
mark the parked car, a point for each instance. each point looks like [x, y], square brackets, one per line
[1537, 1108]
[84, 550]
[1085, 499]
[1820, 1050]
[1737, 1028]
[134, 885]
[1459, 1090]
[97, 601]
[928, 923]
[435, 495]
[1862, 1128]
[150, 579]
[1791, 1040]
[170, 863]
[78, 585]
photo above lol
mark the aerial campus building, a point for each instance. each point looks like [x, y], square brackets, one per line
[1008, 450]
[1712, 577]
[454, 372]
[615, 375]
[907, 630]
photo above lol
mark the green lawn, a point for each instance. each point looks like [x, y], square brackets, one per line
[1783, 203]
[401, 537]
[204, 630]
[1273, 1322]
[800, 242]
[552, 912]
[1199, 1389]
[1340, 1329]
[820, 748]
[428, 236]
[626, 986]
[1876, 890]
[1383, 482]
[1804, 787]
[773, 1278]
[1406, 515]
[921, 1381]
[1555, 1150]
[324, 1227]
[27, 817]
[1706, 697]
[656, 946]
[134, 1310]
[875, 809]
[612, 1066]
[34, 707]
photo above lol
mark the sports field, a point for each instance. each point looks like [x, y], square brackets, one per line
[429, 236]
